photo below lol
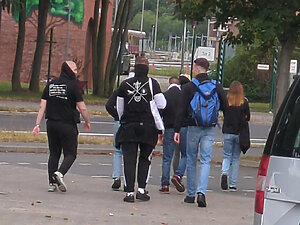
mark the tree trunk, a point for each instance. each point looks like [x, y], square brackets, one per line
[94, 47]
[101, 46]
[124, 36]
[15, 81]
[40, 43]
[115, 42]
[283, 75]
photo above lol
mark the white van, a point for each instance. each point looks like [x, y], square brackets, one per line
[277, 200]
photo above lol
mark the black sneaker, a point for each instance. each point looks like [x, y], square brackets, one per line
[129, 197]
[201, 200]
[116, 185]
[142, 197]
[189, 199]
[224, 182]
[177, 181]
[232, 188]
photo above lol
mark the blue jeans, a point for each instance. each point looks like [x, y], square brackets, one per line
[205, 136]
[117, 161]
[182, 147]
[231, 155]
[168, 152]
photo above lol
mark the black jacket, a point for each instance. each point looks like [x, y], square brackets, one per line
[188, 92]
[234, 116]
[168, 113]
[111, 105]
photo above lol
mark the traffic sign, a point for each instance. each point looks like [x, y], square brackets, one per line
[263, 67]
[205, 52]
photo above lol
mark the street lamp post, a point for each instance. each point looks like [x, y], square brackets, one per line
[68, 29]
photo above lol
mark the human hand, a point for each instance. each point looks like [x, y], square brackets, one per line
[177, 138]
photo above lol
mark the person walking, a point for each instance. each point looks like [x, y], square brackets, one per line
[183, 79]
[59, 100]
[198, 134]
[172, 95]
[137, 129]
[111, 107]
[236, 114]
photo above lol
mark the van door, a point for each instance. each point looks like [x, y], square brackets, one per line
[282, 193]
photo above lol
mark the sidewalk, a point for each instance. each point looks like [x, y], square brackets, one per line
[251, 159]
[24, 200]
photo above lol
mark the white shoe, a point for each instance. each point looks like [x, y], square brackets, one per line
[59, 179]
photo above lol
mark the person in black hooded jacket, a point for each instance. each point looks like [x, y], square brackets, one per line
[59, 101]
[137, 128]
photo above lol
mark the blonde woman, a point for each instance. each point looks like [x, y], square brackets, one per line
[237, 112]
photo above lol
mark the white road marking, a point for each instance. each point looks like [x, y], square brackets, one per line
[112, 123]
[208, 190]
[44, 163]
[4, 163]
[84, 164]
[103, 176]
[211, 177]
[249, 190]
[248, 177]
[24, 163]
[105, 164]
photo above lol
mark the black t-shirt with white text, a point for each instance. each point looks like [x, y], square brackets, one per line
[62, 94]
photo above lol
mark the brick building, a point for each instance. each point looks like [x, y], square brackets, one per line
[79, 44]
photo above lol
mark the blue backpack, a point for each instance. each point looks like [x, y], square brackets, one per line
[205, 103]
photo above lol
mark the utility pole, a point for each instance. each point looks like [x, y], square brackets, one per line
[156, 21]
[142, 19]
[183, 48]
[193, 51]
[68, 29]
[273, 87]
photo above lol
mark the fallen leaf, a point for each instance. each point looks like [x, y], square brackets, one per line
[164, 223]
[38, 201]
[65, 218]
[32, 203]
[131, 214]
[48, 216]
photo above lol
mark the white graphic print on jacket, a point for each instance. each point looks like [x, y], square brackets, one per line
[137, 91]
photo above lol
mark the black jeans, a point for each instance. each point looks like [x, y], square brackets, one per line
[61, 136]
[130, 150]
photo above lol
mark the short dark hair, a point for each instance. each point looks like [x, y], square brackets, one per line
[174, 80]
[202, 62]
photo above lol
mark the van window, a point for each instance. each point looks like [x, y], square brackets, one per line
[287, 136]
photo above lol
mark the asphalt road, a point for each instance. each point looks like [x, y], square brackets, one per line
[103, 126]
[100, 166]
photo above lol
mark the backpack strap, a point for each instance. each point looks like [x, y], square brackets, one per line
[197, 84]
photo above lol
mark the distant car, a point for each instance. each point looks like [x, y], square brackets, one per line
[277, 200]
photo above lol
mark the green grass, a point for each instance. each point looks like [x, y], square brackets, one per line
[259, 107]
[165, 72]
[26, 95]
[11, 136]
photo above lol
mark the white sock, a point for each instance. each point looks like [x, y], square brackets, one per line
[129, 193]
[141, 190]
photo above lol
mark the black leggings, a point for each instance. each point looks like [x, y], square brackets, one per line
[130, 150]
[61, 136]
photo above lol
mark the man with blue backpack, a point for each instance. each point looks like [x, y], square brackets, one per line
[201, 99]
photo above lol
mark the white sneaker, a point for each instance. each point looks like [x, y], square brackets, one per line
[52, 187]
[59, 179]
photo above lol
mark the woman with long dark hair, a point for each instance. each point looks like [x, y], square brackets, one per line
[234, 116]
